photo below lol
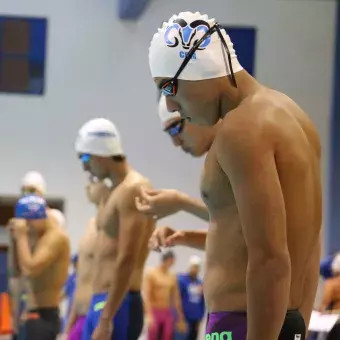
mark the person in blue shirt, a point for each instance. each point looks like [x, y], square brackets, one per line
[70, 287]
[330, 266]
[191, 289]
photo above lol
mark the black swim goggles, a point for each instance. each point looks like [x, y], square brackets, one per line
[169, 87]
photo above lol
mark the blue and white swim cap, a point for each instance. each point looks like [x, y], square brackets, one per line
[31, 207]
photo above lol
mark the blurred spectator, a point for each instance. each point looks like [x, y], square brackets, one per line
[70, 286]
[330, 266]
[161, 294]
[59, 217]
[33, 183]
[331, 295]
[191, 288]
[331, 298]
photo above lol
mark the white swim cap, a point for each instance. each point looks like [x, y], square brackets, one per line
[59, 216]
[195, 261]
[99, 137]
[173, 41]
[164, 114]
[35, 180]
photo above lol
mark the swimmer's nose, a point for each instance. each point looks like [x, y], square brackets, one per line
[177, 141]
[171, 105]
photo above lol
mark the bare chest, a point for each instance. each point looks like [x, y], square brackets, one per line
[108, 219]
[87, 246]
[163, 281]
[216, 191]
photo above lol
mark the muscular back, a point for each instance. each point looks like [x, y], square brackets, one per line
[297, 158]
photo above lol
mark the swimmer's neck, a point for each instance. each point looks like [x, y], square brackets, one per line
[48, 225]
[231, 97]
[118, 172]
[163, 268]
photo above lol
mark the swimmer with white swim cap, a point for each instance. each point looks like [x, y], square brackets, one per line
[194, 140]
[118, 266]
[261, 183]
[44, 262]
[191, 288]
[33, 183]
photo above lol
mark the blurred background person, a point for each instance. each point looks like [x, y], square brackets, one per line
[96, 192]
[161, 297]
[42, 250]
[33, 182]
[331, 295]
[191, 289]
[70, 287]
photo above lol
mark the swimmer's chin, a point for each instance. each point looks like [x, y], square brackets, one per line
[194, 153]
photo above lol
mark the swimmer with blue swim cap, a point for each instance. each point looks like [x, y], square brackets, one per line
[261, 182]
[43, 252]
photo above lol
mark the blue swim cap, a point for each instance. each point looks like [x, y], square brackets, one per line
[31, 207]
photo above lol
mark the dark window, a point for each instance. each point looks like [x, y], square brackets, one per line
[22, 55]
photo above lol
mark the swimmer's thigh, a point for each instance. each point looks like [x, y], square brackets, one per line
[89, 326]
[121, 321]
[39, 329]
[77, 329]
[136, 318]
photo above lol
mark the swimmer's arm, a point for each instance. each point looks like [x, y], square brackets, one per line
[311, 284]
[178, 301]
[72, 318]
[194, 239]
[327, 296]
[13, 261]
[131, 222]
[247, 157]
[193, 206]
[147, 288]
[46, 252]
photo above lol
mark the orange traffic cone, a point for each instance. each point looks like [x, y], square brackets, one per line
[5, 314]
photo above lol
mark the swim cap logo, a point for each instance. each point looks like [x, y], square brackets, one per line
[186, 34]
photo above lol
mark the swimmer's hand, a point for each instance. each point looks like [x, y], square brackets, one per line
[103, 331]
[166, 237]
[181, 326]
[63, 336]
[149, 321]
[159, 203]
[18, 226]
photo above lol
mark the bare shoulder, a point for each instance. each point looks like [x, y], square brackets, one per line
[149, 273]
[132, 187]
[91, 225]
[246, 128]
[265, 120]
[57, 239]
[173, 277]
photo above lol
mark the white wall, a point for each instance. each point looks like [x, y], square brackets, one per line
[94, 61]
